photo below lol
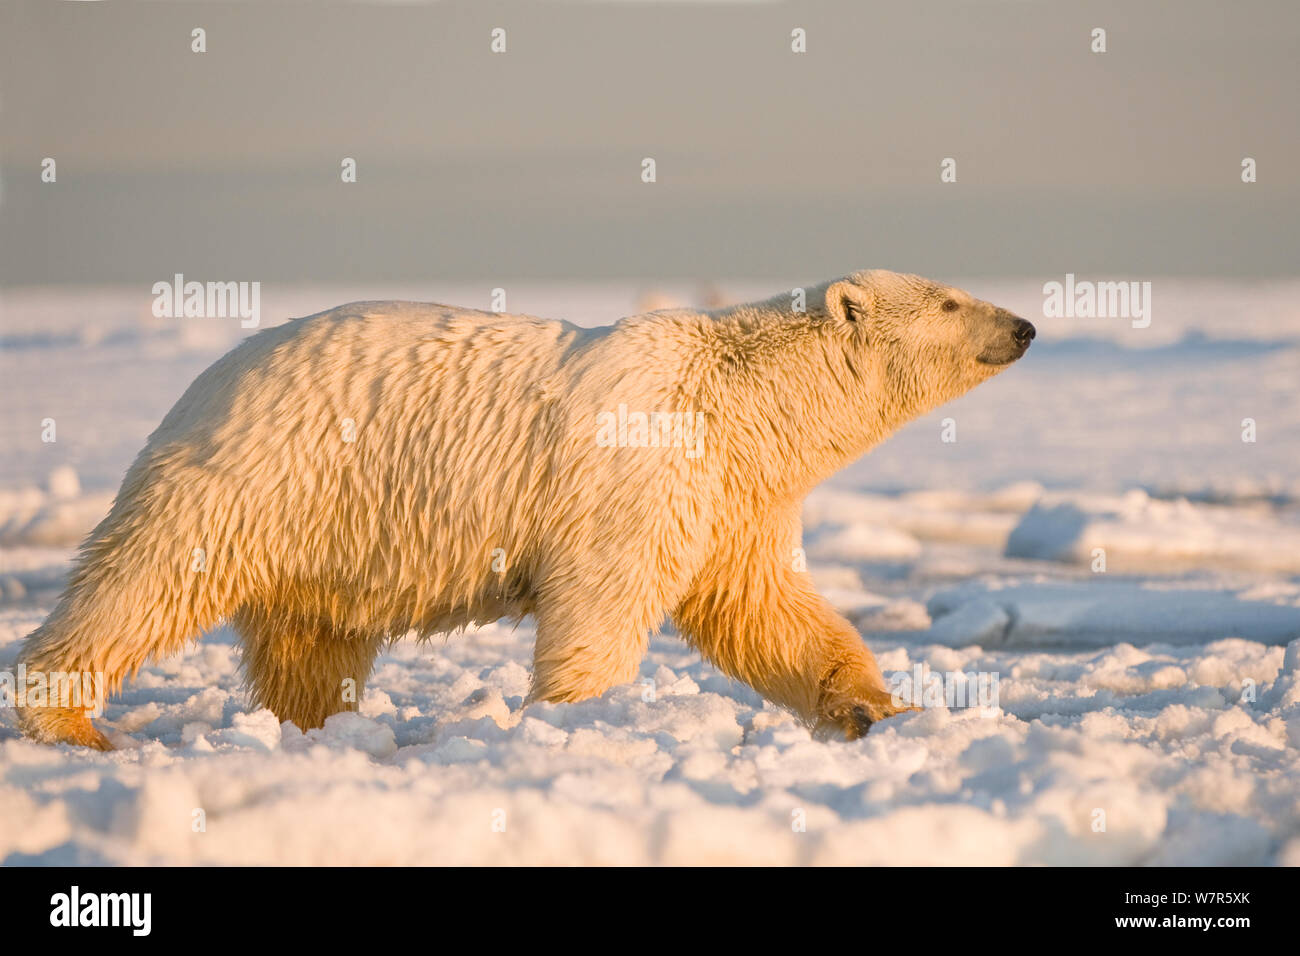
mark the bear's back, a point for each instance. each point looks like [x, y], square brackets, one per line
[359, 357]
[370, 436]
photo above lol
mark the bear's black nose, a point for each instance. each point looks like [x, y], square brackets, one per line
[1023, 333]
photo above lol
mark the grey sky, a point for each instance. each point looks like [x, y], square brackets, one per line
[527, 164]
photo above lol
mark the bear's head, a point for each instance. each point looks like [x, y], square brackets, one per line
[925, 342]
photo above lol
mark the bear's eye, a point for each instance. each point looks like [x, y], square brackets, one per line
[950, 305]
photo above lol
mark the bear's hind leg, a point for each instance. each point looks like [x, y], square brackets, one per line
[303, 669]
[126, 604]
[62, 725]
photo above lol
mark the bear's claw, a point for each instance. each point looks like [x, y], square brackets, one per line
[855, 719]
[861, 721]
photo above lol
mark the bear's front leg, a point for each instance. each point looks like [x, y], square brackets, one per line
[852, 696]
[759, 619]
[588, 641]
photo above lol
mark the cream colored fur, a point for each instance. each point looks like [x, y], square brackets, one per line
[476, 432]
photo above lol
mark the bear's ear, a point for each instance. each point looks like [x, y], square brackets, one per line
[847, 301]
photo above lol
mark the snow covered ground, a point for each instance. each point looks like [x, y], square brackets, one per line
[1098, 546]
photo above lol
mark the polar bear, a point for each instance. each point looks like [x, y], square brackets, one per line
[384, 468]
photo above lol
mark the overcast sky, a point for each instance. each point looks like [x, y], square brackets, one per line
[226, 164]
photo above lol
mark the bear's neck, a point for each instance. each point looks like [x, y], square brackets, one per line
[805, 407]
